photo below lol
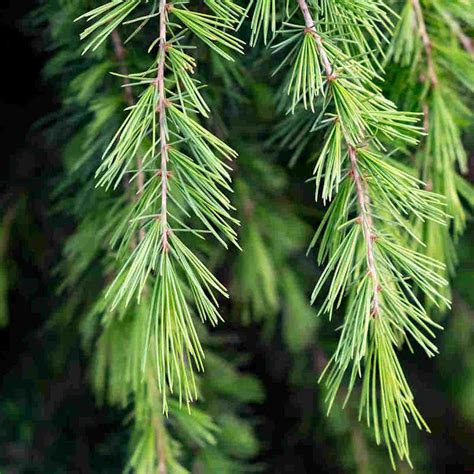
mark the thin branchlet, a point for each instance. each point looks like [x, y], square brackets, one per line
[120, 54]
[367, 224]
[420, 20]
[311, 28]
[161, 110]
[466, 41]
[363, 199]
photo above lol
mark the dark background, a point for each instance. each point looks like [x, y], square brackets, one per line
[48, 418]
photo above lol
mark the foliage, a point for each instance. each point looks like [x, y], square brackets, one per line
[377, 207]
[167, 218]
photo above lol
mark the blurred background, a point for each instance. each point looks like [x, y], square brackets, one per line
[49, 420]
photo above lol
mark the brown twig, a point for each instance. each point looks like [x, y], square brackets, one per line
[426, 42]
[161, 110]
[367, 225]
[157, 419]
[120, 54]
[317, 38]
[365, 214]
[464, 39]
[158, 426]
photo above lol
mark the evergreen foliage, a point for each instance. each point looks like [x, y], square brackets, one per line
[436, 64]
[366, 236]
[164, 175]
[148, 179]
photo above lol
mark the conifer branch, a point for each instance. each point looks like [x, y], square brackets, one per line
[354, 174]
[363, 198]
[161, 110]
[157, 421]
[162, 264]
[446, 69]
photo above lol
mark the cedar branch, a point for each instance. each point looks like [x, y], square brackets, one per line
[365, 214]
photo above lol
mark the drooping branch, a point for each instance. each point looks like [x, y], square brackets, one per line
[172, 287]
[363, 200]
[120, 54]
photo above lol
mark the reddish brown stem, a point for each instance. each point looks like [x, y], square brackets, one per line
[161, 110]
[464, 39]
[130, 100]
[308, 19]
[426, 42]
[367, 225]
[426, 118]
[120, 54]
